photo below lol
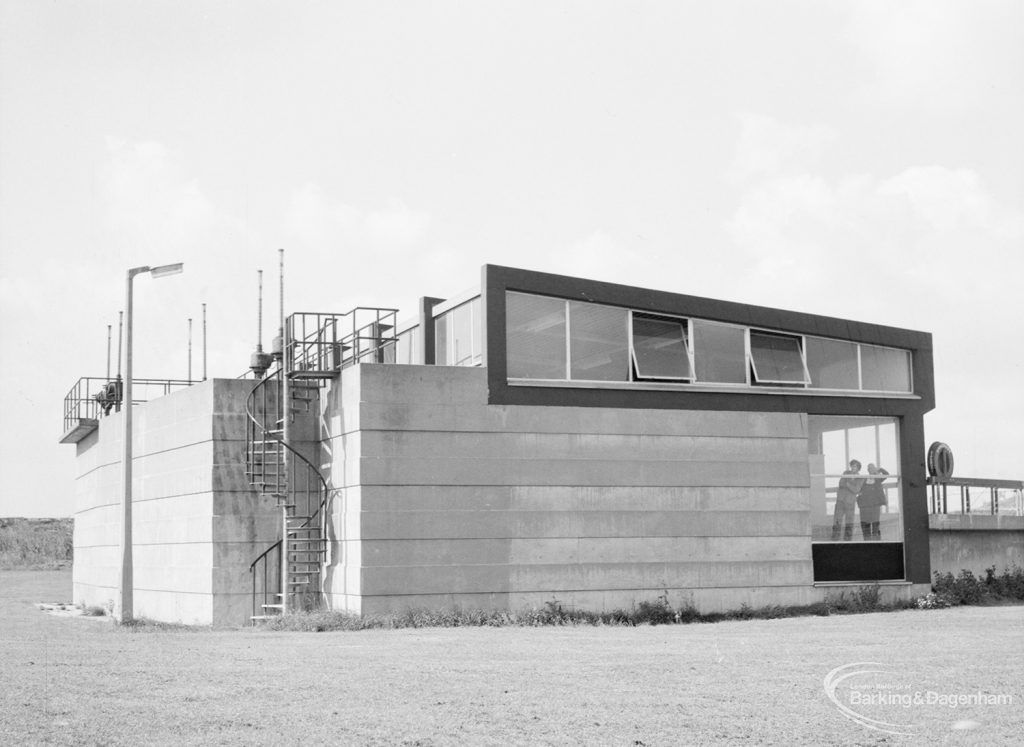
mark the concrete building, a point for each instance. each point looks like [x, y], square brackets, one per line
[541, 437]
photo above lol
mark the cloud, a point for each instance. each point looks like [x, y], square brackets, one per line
[953, 199]
[148, 199]
[327, 224]
[946, 54]
[767, 146]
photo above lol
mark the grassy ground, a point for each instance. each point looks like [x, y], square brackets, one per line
[37, 544]
[84, 681]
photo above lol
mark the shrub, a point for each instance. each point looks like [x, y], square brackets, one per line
[861, 599]
[962, 589]
[1010, 585]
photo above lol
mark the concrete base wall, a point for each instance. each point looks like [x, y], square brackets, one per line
[445, 500]
[197, 524]
[974, 543]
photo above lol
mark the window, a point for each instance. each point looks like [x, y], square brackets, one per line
[535, 336]
[660, 351]
[457, 339]
[832, 364]
[856, 498]
[598, 342]
[407, 346]
[884, 369]
[555, 339]
[834, 442]
[720, 352]
[777, 359]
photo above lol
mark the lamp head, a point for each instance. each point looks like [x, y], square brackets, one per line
[164, 270]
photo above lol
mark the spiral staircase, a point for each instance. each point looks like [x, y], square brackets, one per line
[283, 448]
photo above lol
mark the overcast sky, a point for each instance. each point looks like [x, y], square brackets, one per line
[860, 160]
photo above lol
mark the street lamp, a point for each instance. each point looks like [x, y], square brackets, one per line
[124, 612]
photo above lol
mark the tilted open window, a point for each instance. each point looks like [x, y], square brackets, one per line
[660, 349]
[777, 359]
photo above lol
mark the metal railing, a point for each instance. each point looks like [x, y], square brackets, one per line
[979, 496]
[319, 342]
[94, 396]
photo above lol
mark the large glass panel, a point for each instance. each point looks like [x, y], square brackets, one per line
[460, 351]
[407, 346]
[598, 342]
[441, 325]
[832, 364]
[659, 348]
[885, 369]
[855, 481]
[478, 336]
[719, 352]
[776, 359]
[535, 336]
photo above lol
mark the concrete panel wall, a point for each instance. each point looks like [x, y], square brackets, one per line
[974, 543]
[447, 500]
[197, 524]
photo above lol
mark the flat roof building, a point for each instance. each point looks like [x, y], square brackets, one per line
[541, 437]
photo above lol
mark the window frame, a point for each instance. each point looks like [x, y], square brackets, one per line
[634, 364]
[755, 380]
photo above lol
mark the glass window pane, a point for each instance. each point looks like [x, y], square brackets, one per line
[659, 348]
[535, 336]
[460, 350]
[441, 340]
[719, 352]
[599, 342]
[862, 508]
[885, 369]
[478, 337]
[407, 346]
[776, 359]
[832, 363]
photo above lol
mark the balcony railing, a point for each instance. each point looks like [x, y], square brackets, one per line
[978, 496]
[93, 397]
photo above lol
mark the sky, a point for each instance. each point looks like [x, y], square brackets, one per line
[861, 160]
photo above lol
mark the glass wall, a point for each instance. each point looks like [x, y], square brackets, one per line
[407, 346]
[598, 342]
[457, 336]
[555, 339]
[856, 488]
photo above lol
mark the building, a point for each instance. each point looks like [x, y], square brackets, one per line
[541, 437]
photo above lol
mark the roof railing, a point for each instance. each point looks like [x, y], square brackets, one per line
[979, 496]
[92, 397]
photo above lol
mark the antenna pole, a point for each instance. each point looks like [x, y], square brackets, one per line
[108, 352]
[259, 315]
[204, 342]
[281, 299]
[120, 331]
[190, 350]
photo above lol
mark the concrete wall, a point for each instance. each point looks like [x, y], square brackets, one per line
[444, 500]
[197, 524]
[976, 542]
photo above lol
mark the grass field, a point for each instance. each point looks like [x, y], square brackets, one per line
[37, 544]
[85, 681]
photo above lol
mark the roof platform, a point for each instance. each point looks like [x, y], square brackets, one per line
[79, 429]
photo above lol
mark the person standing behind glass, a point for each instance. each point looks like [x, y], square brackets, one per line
[846, 502]
[870, 502]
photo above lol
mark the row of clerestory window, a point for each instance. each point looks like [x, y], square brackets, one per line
[554, 339]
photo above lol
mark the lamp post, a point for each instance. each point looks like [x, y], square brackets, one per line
[124, 612]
